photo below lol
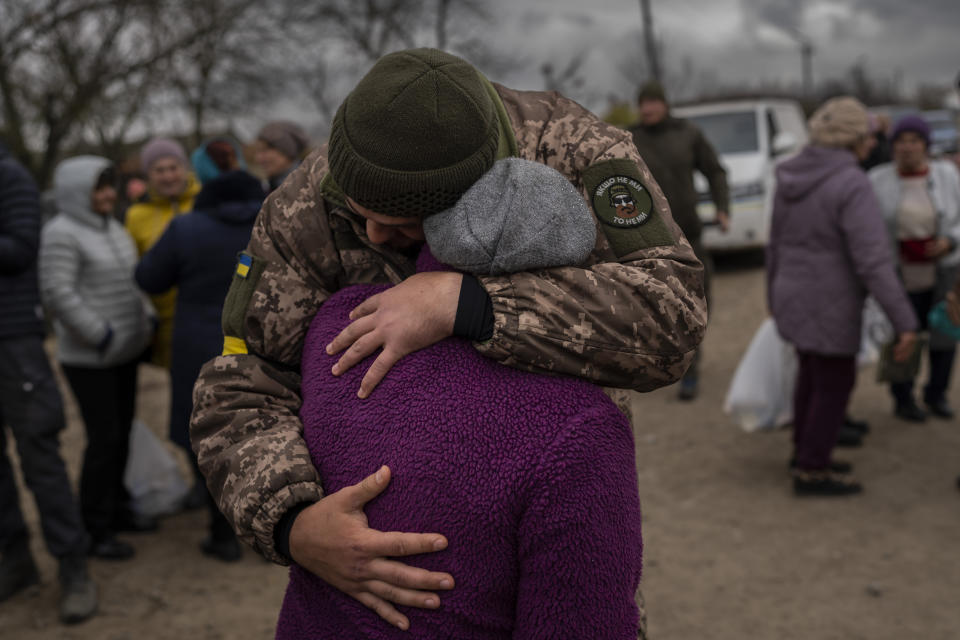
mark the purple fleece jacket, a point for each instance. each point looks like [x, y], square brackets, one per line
[531, 478]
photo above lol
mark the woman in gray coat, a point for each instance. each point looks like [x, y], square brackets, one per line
[828, 248]
[103, 323]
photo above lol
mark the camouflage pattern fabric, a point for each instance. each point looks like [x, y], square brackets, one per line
[632, 322]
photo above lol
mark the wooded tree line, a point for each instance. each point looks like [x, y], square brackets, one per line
[81, 73]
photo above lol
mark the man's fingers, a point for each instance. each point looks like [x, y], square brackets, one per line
[377, 371]
[402, 543]
[383, 609]
[406, 597]
[366, 490]
[350, 334]
[366, 307]
[363, 347]
[405, 576]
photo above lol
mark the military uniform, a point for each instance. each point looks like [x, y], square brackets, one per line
[630, 317]
[673, 150]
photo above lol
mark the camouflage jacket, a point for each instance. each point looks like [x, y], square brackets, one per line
[630, 317]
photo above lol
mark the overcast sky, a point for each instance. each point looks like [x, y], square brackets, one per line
[711, 42]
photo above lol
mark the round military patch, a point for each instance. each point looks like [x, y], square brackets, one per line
[622, 202]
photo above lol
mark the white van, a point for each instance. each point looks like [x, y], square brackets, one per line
[750, 137]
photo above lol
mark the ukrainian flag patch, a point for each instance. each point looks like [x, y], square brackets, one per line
[243, 265]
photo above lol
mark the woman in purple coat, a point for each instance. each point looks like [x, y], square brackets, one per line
[828, 249]
[531, 478]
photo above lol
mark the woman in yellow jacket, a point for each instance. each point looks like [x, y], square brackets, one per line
[171, 190]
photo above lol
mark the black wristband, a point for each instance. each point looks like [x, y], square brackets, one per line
[281, 532]
[474, 311]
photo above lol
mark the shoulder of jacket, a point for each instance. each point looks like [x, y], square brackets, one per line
[945, 169]
[12, 171]
[61, 227]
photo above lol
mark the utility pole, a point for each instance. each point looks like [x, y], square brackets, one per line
[650, 43]
[806, 52]
[806, 60]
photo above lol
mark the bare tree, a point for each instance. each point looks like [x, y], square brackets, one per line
[568, 79]
[59, 59]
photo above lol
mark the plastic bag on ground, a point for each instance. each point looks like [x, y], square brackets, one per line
[761, 393]
[152, 476]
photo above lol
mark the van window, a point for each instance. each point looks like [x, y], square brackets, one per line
[730, 132]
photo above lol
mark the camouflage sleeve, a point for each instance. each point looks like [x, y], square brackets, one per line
[633, 315]
[245, 426]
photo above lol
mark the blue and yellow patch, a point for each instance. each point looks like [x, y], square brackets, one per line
[243, 265]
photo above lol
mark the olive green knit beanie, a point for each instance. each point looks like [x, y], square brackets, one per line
[416, 133]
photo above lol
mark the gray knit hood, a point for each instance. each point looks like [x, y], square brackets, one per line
[520, 215]
[73, 183]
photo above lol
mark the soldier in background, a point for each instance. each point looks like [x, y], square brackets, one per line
[418, 130]
[673, 148]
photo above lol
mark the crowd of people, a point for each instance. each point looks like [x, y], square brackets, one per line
[424, 311]
[121, 288]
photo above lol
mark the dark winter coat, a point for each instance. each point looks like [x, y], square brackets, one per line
[19, 243]
[198, 254]
[828, 249]
[673, 149]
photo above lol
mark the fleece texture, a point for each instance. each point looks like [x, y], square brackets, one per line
[531, 478]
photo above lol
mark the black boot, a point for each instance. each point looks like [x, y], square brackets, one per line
[849, 437]
[17, 569]
[78, 593]
[823, 483]
[862, 426]
[836, 466]
[940, 408]
[910, 412]
[107, 547]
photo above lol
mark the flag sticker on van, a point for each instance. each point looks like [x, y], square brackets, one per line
[625, 207]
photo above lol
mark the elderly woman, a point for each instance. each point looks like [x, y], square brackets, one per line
[531, 477]
[279, 148]
[828, 248]
[171, 188]
[920, 200]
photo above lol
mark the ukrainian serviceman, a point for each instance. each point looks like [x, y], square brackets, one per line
[418, 130]
[673, 148]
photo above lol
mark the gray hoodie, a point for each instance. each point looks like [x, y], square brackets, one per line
[86, 275]
[828, 248]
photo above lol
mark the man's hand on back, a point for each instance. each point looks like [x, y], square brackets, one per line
[332, 540]
[418, 312]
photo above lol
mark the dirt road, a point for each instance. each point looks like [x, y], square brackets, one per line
[729, 552]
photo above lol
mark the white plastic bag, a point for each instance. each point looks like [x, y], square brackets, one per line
[876, 332]
[761, 393]
[152, 475]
